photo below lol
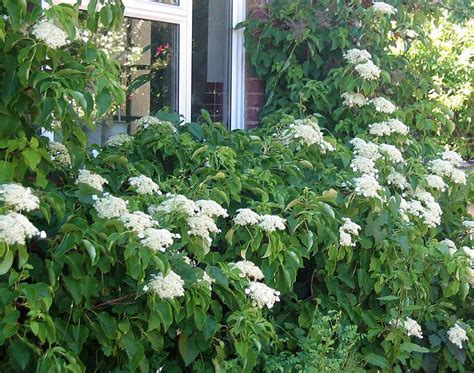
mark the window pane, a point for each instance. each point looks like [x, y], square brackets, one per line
[150, 74]
[211, 62]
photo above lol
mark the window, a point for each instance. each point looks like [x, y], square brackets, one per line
[182, 70]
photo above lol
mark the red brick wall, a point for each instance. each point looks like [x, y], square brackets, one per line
[254, 87]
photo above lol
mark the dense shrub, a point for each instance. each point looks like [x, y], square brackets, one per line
[341, 263]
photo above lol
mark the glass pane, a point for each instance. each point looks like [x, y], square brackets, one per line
[147, 51]
[150, 73]
[211, 62]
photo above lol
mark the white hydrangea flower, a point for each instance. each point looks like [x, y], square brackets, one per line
[422, 206]
[470, 253]
[367, 186]
[363, 165]
[457, 335]
[53, 36]
[412, 328]
[452, 157]
[471, 276]
[450, 244]
[137, 221]
[149, 121]
[345, 239]
[356, 56]
[383, 105]
[92, 179]
[271, 223]
[15, 228]
[392, 153]
[59, 154]
[144, 185]
[436, 182]
[380, 7]
[397, 126]
[365, 149]
[262, 295]
[168, 287]
[109, 207]
[158, 239]
[307, 132]
[18, 198]
[249, 270]
[202, 226]
[347, 230]
[246, 217]
[469, 225]
[368, 70]
[118, 140]
[211, 208]
[398, 180]
[445, 168]
[354, 99]
[380, 129]
[176, 204]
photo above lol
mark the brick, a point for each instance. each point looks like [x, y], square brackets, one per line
[255, 99]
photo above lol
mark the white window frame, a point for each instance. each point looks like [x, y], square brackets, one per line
[181, 15]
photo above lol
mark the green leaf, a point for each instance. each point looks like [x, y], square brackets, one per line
[90, 250]
[6, 262]
[412, 347]
[187, 348]
[20, 353]
[378, 361]
[32, 158]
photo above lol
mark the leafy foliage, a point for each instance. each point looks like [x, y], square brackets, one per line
[90, 296]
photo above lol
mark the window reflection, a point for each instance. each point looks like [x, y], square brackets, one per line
[211, 62]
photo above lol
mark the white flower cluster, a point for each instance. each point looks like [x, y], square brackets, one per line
[246, 217]
[92, 179]
[211, 208]
[391, 153]
[158, 239]
[18, 198]
[144, 185]
[249, 269]
[176, 204]
[363, 165]
[398, 180]
[109, 207]
[423, 206]
[15, 228]
[365, 149]
[356, 56]
[469, 225]
[202, 225]
[450, 244]
[457, 335]
[347, 230]
[380, 7]
[149, 121]
[383, 105]
[367, 186]
[262, 295]
[207, 280]
[59, 154]
[307, 132]
[167, 287]
[388, 127]
[447, 166]
[353, 99]
[412, 328]
[53, 36]
[368, 70]
[470, 254]
[118, 140]
[271, 223]
[436, 182]
[137, 221]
